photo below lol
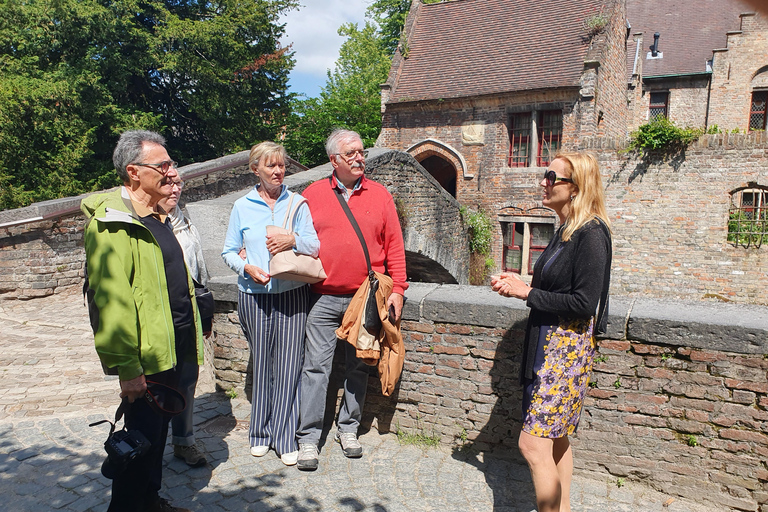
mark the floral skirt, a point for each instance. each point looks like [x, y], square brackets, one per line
[553, 399]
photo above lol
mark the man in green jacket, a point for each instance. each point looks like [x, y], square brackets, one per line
[144, 315]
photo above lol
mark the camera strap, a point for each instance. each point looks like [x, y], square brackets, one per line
[118, 415]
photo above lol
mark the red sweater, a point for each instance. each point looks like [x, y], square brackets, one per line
[340, 250]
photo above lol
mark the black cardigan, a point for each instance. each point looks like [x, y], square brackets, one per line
[573, 285]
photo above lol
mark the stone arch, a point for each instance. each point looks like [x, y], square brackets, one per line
[442, 162]
[760, 78]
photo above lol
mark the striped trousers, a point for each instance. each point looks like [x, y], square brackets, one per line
[274, 324]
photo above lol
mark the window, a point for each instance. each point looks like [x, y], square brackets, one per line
[519, 139]
[534, 133]
[748, 216]
[658, 105]
[550, 132]
[757, 110]
[524, 239]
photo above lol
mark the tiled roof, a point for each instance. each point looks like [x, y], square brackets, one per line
[475, 47]
[689, 31]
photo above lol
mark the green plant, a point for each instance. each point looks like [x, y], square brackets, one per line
[711, 130]
[617, 383]
[601, 358]
[662, 134]
[691, 440]
[593, 384]
[594, 23]
[417, 438]
[232, 393]
[619, 482]
[664, 357]
[480, 230]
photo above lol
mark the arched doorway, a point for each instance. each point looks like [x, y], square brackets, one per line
[442, 171]
[442, 162]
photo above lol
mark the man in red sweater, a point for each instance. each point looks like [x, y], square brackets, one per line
[344, 263]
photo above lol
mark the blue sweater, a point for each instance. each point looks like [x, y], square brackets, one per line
[248, 228]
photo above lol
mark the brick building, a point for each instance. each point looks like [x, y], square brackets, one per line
[483, 107]
[700, 64]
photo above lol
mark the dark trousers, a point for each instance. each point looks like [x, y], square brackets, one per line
[138, 485]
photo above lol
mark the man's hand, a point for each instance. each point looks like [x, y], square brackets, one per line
[280, 243]
[134, 388]
[396, 300]
[257, 274]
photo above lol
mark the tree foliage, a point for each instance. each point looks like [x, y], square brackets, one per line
[210, 76]
[351, 97]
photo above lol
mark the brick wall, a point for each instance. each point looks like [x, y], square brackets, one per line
[670, 216]
[687, 101]
[679, 401]
[39, 258]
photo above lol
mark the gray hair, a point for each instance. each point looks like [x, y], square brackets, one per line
[130, 148]
[338, 136]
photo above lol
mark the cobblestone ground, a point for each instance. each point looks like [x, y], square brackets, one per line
[52, 386]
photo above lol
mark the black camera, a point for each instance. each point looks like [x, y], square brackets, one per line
[122, 447]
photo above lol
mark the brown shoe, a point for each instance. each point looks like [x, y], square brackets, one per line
[191, 455]
[162, 505]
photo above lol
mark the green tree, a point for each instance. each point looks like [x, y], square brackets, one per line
[75, 73]
[351, 97]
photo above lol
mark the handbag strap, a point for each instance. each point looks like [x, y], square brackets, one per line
[352, 221]
[288, 212]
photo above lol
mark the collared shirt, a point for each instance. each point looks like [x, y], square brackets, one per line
[344, 190]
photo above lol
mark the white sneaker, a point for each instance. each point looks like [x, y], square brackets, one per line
[290, 458]
[307, 457]
[350, 446]
[259, 451]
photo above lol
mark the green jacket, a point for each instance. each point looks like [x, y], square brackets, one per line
[134, 329]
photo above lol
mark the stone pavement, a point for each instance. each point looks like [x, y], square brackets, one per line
[52, 386]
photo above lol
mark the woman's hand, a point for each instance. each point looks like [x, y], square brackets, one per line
[257, 274]
[280, 243]
[509, 284]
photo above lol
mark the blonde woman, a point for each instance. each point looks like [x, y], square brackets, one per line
[568, 297]
[273, 312]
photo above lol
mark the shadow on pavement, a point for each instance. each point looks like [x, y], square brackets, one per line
[493, 451]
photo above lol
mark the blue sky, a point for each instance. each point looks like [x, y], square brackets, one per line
[312, 29]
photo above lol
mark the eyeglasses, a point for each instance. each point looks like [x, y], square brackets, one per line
[552, 178]
[353, 153]
[164, 166]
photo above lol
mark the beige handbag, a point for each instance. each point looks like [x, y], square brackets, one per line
[290, 265]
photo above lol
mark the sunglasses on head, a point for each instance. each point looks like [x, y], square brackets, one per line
[552, 178]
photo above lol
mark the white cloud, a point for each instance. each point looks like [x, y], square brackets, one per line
[312, 29]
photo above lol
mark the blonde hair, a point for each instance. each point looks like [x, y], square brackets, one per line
[265, 149]
[589, 203]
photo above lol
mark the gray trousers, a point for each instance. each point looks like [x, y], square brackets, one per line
[325, 315]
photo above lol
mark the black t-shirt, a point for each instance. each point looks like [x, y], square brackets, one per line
[175, 270]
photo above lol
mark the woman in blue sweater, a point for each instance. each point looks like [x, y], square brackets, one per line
[568, 296]
[273, 312]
